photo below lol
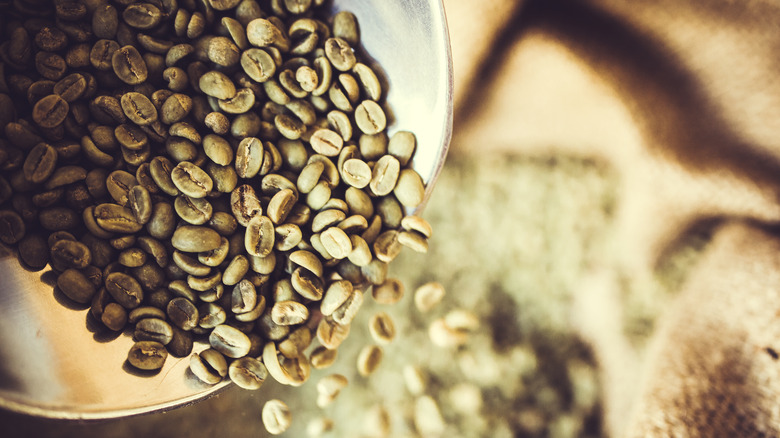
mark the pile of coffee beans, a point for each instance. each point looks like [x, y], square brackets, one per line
[205, 170]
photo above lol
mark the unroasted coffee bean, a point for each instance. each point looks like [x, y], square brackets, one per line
[326, 142]
[153, 329]
[114, 317]
[260, 236]
[50, 111]
[191, 238]
[71, 254]
[277, 417]
[410, 189]
[209, 366]
[140, 202]
[217, 84]
[247, 373]
[105, 21]
[289, 313]
[229, 341]
[191, 180]
[249, 157]
[181, 343]
[34, 251]
[50, 65]
[340, 54]
[242, 102]
[369, 359]
[142, 16]
[116, 219]
[382, 328]
[258, 64]
[131, 136]
[58, 219]
[76, 286]
[263, 33]
[147, 355]
[138, 108]
[183, 313]
[163, 221]
[40, 163]
[124, 289]
[175, 108]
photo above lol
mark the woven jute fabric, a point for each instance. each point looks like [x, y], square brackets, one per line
[682, 99]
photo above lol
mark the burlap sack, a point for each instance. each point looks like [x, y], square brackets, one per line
[683, 99]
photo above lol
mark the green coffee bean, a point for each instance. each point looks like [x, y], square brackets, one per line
[50, 111]
[138, 108]
[142, 15]
[183, 313]
[236, 270]
[153, 329]
[191, 238]
[340, 54]
[124, 289]
[370, 117]
[247, 373]
[34, 251]
[58, 218]
[402, 146]
[217, 85]
[114, 317]
[132, 258]
[116, 219]
[345, 26]
[129, 66]
[147, 355]
[162, 222]
[71, 254]
[191, 180]
[209, 366]
[260, 236]
[258, 64]
[229, 341]
[76, 286]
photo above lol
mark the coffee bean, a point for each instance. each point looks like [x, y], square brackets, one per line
[105, 21]
[190, 238]
[50, 65]
[142, 16]
[50, 111]
[58, 218]
[40, 163]
[258, 64]
[153, 329]
[129, 66]
[242, 102]
[191, 180]
[34, 251]
[101, 54]
[175, 108]
[229, 341]
[138, 108]
[209, 366]
[147, 355]
[410, 189]
[124, 289]
[71, 254]
[116, 219]
[247, 373]
[76, 286]
[131, 136]
[217, 85]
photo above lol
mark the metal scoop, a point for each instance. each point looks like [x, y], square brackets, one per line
[52, 364]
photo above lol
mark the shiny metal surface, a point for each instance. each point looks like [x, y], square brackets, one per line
[53, 364]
